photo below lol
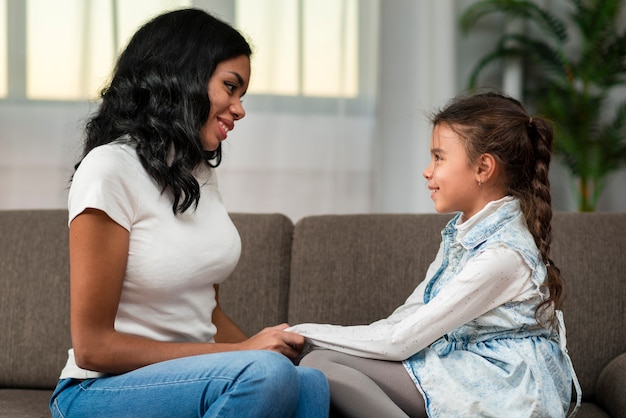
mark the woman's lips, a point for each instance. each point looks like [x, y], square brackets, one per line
[225, 126]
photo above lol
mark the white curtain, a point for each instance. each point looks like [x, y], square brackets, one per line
[300, 162]
[308, 150]
[328, 155]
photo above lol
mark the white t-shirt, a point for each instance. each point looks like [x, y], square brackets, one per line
[173, 260]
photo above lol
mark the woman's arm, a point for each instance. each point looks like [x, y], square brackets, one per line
[227, 330]
[98, 255]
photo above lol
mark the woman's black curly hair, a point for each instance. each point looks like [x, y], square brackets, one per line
[158, 97]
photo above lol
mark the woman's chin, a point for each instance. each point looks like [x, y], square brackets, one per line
[210, 147]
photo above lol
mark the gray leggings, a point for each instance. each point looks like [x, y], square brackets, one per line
[361, 387]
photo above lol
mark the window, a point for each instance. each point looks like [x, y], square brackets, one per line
[72, 44]
[3, 50]
[65, 49]
[69, 45]
[302, 47]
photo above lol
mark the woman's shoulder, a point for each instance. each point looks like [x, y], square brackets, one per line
[114, 158]
[113, 152]
[107, 179]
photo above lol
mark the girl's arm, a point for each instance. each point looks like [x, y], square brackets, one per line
[98, 255]
[492, 278]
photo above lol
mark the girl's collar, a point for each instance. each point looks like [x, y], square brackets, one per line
[491, 207]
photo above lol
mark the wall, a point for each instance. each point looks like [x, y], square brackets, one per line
[39, 142]
[360, 165]
[271, 163]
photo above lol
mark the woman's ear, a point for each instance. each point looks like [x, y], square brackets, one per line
[485, 168]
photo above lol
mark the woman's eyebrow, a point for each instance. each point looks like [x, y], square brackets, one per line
[238, 76]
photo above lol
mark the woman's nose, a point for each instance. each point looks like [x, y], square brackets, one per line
[237, 110]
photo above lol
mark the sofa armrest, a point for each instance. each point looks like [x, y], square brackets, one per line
[610, 386]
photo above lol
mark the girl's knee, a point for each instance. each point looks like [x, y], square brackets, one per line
[318, 359]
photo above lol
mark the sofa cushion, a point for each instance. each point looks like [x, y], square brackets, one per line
[255, 295]
[34, 301]
[25, 403]
[354, 269]
[610, 392]
[589, 248]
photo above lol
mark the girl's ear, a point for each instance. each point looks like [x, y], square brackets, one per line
[485, 168]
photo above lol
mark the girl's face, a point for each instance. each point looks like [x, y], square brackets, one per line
[227, 86]
[452, 179]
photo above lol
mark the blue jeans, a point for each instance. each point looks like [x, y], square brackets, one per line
[231, 384]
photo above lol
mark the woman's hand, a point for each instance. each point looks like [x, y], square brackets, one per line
[276, 339]
[273, 338]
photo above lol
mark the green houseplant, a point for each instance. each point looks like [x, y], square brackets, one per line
[569, 79]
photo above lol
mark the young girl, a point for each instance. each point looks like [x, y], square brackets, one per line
[150, 242]
[482, 335]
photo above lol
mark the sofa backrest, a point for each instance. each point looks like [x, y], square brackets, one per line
[34, 297]
[590, 250]
[255, 295]
[343, 269]
[354, 269]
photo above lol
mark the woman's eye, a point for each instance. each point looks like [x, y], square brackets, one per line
[230, 86]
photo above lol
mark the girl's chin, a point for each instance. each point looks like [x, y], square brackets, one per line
[440, 208]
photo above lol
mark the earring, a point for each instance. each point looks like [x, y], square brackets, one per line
[480, 183]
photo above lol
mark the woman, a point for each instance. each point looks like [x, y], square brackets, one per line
[150, 241]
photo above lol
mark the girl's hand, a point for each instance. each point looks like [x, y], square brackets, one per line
[276, 339]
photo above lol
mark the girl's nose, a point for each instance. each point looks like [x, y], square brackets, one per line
[427, 173]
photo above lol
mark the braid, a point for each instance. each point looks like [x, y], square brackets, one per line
[540, 217]
[539, 220]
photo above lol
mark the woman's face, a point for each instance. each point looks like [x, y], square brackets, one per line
[227, 86]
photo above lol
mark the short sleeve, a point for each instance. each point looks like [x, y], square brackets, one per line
[106, 180]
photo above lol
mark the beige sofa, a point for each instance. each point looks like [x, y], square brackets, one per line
[343, 269]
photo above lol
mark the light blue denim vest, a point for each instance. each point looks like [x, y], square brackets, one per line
[506, 227]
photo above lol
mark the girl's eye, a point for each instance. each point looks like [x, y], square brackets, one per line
[230, 86]
[437, 157]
